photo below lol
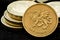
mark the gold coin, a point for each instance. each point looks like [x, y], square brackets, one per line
[40, 20]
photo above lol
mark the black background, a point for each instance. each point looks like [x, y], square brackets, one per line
[20, 34]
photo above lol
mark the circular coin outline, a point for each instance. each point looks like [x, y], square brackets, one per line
[36, 35]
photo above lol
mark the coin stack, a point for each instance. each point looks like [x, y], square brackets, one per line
[13, 15]
[38, 19]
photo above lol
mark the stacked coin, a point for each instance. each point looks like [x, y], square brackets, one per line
[13, 15]
[56, 6]
[39, 20]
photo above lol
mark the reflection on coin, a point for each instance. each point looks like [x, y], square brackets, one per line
[40, 20]
[4, 22]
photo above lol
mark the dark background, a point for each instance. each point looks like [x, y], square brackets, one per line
[20, 34]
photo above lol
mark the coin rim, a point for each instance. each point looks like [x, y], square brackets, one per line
[2, 18]
[34, 34]
[10, 18]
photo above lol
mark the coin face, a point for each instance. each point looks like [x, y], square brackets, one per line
[40, 20]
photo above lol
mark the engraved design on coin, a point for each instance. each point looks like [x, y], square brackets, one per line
[41, 19]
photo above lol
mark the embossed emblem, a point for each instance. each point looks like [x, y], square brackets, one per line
[41, 19]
